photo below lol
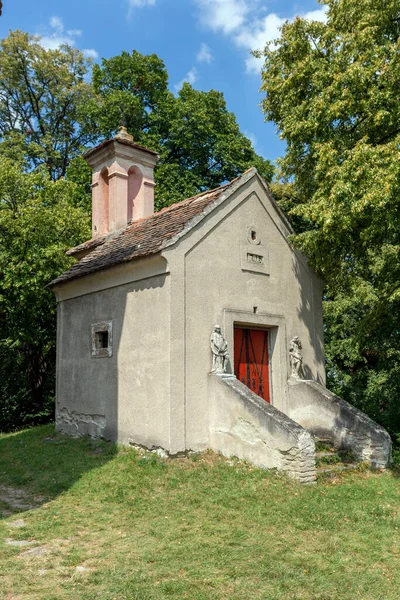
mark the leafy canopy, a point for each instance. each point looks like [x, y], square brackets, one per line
[38, 222]
[198, 139]
[130, 86]
[332, 88]
[43, 101]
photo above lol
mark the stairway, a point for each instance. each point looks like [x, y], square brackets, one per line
[330, 461]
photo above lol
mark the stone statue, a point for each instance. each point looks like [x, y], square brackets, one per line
[296, 358]
[219, 349]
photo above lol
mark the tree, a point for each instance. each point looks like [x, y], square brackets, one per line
[332, 88]
[200, 145]
[43, 101]
[131, 87]
[38, 222]
[49, 113]
[198, 139]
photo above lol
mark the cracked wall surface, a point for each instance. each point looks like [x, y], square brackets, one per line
[324, 414]
[128, 387]
[77, 424]
[244, 425]
[216, 289]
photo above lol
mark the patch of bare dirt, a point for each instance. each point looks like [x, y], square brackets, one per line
[34, 552]
[17, 524]
[17, 543]
[18, 498]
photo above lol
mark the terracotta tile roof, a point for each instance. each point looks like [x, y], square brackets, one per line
[89, 245]
[147, 236]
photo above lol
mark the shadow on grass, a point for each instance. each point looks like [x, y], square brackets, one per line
[395, 471]
[37, 465]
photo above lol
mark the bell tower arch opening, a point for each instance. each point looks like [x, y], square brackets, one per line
[135, 191]
[101, 203]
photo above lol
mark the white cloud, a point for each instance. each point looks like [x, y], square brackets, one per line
[241, 20]
[223, 15]
[252, 138]
[204, 55]
[55, 36]
[141, 3]
[133, 4]
[90, 53]
[256, 35]
[54, 41]
[260, 32]
[316, 15]
[191, 77]
[56, 23]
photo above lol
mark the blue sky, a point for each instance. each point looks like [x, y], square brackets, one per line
[206, 42]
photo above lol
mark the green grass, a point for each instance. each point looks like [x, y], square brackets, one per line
[199, 528]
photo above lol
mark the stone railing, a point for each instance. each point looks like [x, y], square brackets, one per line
[323, 414]
[242, 424]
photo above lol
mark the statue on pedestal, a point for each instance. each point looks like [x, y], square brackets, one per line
[219, 349]
[296, 358]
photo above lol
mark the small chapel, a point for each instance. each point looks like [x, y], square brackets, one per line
[198, 326]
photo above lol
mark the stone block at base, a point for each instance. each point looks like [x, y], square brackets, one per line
[242, 424]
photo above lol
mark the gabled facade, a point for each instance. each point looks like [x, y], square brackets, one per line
[135, 316]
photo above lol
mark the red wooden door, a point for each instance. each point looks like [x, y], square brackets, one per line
[251, 360]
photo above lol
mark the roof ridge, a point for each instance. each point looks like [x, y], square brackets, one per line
[100, 240]
[177, 205]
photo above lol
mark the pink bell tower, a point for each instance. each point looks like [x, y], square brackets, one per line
[122, 183]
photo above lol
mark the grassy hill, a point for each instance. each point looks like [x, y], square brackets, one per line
[100, 522]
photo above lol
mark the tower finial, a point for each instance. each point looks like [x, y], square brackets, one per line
[123, 132]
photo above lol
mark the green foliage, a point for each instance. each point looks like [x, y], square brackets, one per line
[396, 452]
[288, 199]
[43, 100]
[131, 87]
[38, 222]
[200, 145]
[198, 140]
[332, 88]
[49, 113]
[79, 172]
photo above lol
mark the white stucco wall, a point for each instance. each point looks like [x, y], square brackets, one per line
[324, 414]
[208, 278]
[245, 426]
[124, 397]
[153, 390]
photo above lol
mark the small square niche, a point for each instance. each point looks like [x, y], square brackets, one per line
[102, 339]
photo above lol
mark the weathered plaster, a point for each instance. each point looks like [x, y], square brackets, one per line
[323, 414]
[129, 192]
[131, 393]
[122, 274]
[76, 423]
[244, 425]
[208, 281]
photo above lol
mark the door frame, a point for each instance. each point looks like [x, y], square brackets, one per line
[278, 355]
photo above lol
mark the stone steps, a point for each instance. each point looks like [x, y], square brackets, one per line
[338, 468]
[330, 461]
